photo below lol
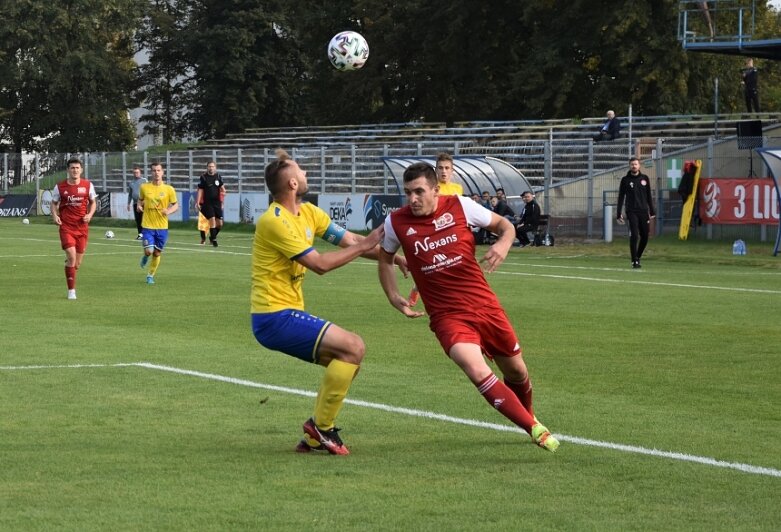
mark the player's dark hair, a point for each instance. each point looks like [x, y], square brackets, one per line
[74, 160]
[273, 171]
[416, 170]
[161, 165]
[634, 159]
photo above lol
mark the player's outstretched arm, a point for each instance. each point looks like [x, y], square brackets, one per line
[498, 251]
[374, 253]
[321, 263]
[387, 275]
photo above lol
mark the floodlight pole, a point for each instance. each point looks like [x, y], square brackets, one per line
[716, 107]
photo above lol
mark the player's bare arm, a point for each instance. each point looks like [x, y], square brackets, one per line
[351, 238]
[387, 275]
[498, 252]
[55, 206]
[91, 211]
[172, 208]
[321, 263]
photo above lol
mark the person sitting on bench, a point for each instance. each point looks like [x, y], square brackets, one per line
[530, 219]
[610, 129]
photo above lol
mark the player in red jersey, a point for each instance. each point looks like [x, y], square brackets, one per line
[73, 205]
[466, 316]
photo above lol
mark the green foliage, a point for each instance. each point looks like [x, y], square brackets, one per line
[66, 72]
[166, 81]
[681, 356]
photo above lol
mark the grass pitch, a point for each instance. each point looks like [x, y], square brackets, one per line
[153, 407]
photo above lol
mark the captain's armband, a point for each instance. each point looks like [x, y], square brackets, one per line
[334, 234]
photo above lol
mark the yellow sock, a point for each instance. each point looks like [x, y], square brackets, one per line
[336, 381]
[153, 264]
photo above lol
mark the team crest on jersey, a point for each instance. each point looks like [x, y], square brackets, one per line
[81, 190]
[643, 182]
[446, 220]
[308, 234]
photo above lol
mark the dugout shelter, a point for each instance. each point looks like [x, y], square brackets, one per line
[474, 173]
[772, 158]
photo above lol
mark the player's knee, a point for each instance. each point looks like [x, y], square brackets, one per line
[355, 349]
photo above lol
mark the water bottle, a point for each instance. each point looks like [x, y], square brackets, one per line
[736, 247]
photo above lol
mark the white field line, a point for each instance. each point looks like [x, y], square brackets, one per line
[745, 468]
[650, 283]
[617, 281]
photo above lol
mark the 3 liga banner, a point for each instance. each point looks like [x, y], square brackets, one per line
[738, 201]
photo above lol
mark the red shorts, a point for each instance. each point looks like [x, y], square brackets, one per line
[494, 334]
[74, 237]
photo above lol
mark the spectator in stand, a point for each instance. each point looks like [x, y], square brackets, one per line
[751, 85]
[530, 219]
[610, 130]
[133, 189]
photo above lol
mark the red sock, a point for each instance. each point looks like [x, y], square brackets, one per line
[505, 401]
[70, 277]
[523, 390]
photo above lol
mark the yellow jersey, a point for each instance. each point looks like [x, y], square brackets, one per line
[450, 189]
[156, 198]
[281, 237]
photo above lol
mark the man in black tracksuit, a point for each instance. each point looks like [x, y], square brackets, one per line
[530, 219]
[636, 189]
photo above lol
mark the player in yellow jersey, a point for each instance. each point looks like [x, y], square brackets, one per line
[282, 252]
[157, 201]
[444, 170]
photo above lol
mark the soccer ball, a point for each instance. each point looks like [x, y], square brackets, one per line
[25, 221]
[109, 234]
[348, 50]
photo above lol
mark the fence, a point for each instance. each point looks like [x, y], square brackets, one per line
[573, 178]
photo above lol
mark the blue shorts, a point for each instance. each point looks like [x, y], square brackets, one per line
[293, 332]
[154, 237]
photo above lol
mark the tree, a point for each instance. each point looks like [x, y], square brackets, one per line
[66, 74]
[167, 81]
[248, 67]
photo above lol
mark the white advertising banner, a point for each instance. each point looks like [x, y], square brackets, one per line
[358, 212]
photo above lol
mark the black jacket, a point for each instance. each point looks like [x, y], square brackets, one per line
[503, 209]
[613, 128]
[530, 218]
[636, 190]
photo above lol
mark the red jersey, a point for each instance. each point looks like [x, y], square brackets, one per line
[74, 201]
[440, 253]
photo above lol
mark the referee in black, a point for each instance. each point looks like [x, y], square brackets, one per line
[211, 194]
[635, 188]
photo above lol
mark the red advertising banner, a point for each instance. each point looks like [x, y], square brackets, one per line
[738, 201]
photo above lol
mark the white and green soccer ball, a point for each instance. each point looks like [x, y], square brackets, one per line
[109, 234]
[348, 50]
